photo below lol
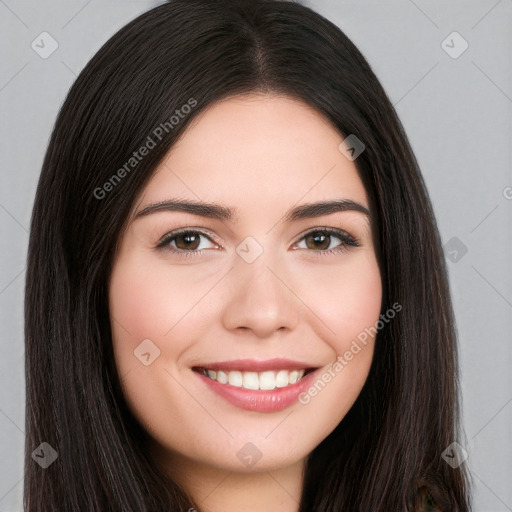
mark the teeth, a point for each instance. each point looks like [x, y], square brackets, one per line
[282, 379]
[267, 380]
[250, 380]
[256, 380]
[235, 379]
[293, 377]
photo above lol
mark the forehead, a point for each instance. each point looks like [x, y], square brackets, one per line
[255, 152]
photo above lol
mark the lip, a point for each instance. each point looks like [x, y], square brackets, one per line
[256, 365]
[259, 400]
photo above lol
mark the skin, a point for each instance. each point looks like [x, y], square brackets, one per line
[261, 155]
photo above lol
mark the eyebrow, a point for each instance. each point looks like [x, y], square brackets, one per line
[223, 213]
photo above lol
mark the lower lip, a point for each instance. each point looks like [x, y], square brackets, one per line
[260, 401]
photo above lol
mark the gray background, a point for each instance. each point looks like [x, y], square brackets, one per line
[456, 112]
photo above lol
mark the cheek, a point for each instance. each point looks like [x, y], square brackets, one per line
[147, 301]
[346, 297]
[348, 301]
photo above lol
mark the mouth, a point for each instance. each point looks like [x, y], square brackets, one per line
[264, 381]
[263, 386]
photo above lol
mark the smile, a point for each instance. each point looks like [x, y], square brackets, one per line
[262, 386]
[256, 380]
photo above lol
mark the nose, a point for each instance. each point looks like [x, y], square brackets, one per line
[261, 299]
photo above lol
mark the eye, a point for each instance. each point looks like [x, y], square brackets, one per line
[188, 242]
[184, 241]
[321, 240]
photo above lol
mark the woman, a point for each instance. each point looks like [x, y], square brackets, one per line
[239, 280]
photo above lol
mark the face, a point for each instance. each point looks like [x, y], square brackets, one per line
[235, 324]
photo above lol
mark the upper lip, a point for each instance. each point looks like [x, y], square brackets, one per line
[255, 365]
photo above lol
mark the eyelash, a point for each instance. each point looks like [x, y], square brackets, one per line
[346, 241]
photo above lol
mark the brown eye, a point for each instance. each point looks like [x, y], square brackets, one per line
[318, 240]
[187, 241]
[323, 241]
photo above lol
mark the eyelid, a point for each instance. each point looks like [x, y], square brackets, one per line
[162, 243]
[338, 232]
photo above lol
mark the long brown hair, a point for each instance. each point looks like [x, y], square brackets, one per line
[387, 450]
